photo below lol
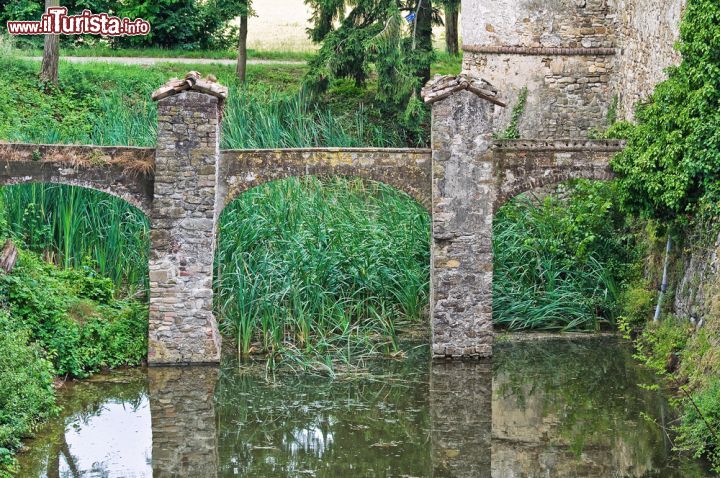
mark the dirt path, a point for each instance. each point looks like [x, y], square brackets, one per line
[127, 60]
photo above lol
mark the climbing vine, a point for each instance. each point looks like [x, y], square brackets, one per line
[513, 129]
[671, 166]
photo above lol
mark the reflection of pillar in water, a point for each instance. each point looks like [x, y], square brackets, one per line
[461, 413]
[183, 421]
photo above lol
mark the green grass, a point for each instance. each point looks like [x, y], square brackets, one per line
[110, 105]
[104, 51]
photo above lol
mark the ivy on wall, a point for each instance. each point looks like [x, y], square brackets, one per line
[671, 166]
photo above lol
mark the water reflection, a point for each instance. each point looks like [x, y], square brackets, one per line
[460, 407]
[540, 410]
[184, 433]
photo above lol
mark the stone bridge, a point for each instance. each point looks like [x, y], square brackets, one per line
[185, 182]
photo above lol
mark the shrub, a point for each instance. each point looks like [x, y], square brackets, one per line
[560, 263]
[73, 317]
[660, 342]
[26, 394]
[671, 165]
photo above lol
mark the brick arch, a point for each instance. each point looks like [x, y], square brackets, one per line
[408, 170]
[524, 165]
[111, 170]
[536, 182]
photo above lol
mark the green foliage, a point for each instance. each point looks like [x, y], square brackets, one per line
[83, 229]
[186, 24]
[321, 268]
[698, 431]
[513, 129]
[637, 302]
[671, 165]
[560, 263]
[110, 105]
[660, 341]
[26, 395]
[374, 37]
[71, 315]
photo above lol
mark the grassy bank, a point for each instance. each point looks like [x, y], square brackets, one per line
[110, 105]
[230, 54]
[683, 352]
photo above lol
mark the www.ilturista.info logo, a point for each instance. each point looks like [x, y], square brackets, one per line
[56, 21]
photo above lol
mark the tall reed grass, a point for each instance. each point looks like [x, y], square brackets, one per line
[311, 268]
[77, 227]
[258, 119]
[560, 263]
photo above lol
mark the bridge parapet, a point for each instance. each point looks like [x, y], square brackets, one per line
[408, 170]
[122, 171]
[524, 165]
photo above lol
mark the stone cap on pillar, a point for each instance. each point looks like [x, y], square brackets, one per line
[192, 82]
[442, 87]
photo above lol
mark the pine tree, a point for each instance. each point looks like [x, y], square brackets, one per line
[392, 37]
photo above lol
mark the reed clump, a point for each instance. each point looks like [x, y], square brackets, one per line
[311, 270]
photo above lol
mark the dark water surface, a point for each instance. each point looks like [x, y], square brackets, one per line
[541, 409]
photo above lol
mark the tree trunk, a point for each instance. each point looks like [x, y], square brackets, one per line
[452, 43]
[424, 36]
[51, 52]
[8, 257]
[242, 48]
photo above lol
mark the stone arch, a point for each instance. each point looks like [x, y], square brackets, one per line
[407, 170]
[524, 165]
[115, 171]
[531, 183]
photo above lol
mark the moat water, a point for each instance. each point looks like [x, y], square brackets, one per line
[542, 409]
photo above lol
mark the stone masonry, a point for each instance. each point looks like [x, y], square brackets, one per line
[463, 196]
[473, 175]
[182, 325]
[578, 59]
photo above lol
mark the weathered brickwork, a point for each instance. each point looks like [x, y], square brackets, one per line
[575, 57]
[538, 23]
[649, 30]
[473, 175]
[464, 192]
[568, 95]
[121, 171]
[560, 50]
[524, 165]
[407, 170]
[182, 325]
[182, 410]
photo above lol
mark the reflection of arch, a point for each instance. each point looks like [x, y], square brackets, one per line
[121, 172]
[523, 165]
[408, 170]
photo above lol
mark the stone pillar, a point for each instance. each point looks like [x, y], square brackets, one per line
[182, 325]
[461, 419]
[464, 191]
[184, 431]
